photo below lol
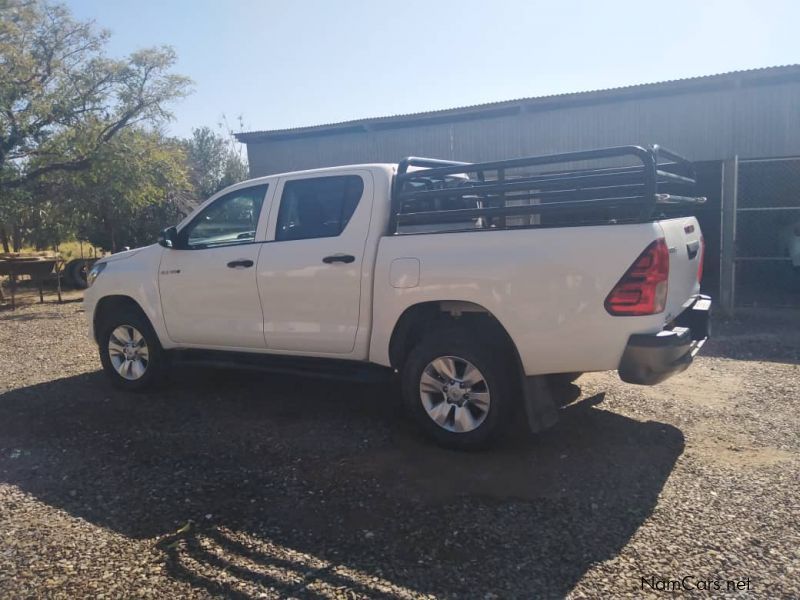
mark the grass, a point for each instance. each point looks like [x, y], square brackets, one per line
[68, 250]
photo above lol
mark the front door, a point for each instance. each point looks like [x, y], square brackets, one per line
[310, 273]
[209, 295]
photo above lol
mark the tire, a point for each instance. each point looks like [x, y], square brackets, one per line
[78, 273]
[75, 272]
[438, 406]
[67, 272]
[131, 369]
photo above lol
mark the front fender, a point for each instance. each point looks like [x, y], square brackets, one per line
[134, 275]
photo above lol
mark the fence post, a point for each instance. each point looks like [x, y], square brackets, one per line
[727, 258]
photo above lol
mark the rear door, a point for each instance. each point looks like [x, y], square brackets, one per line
[310, 271]
[685, 242]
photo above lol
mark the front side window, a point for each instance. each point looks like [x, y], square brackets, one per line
[318, 207]
[231, 219]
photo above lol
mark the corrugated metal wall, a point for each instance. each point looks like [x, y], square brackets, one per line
[752, 122]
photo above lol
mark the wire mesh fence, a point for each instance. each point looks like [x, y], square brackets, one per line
[768, 233]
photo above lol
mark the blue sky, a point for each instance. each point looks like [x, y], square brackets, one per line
[293, 63]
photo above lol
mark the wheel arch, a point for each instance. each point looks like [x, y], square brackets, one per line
[421, 318]
[418, 319]
[110, 304]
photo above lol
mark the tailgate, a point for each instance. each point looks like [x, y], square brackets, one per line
[685, 242]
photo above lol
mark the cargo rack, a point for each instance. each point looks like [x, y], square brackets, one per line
[432, 195]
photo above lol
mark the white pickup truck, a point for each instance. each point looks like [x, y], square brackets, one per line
[479, 284]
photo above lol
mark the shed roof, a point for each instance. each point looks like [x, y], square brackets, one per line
[721, 81]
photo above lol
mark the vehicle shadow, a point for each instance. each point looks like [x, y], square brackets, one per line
[308, 487]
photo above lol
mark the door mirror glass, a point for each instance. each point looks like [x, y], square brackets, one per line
[169, 237]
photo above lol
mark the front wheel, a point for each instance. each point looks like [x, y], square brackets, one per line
[459, 390]
[130, 352]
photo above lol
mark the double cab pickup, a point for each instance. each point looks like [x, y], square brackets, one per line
[475, 285]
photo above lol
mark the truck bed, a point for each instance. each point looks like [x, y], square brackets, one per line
[539, 243]
[545, 286]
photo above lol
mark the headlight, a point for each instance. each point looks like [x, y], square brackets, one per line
[94, 272]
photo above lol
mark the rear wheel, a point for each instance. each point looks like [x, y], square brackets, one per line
[130, 352]
[460, 391]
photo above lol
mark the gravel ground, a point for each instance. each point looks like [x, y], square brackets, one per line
[240, 485]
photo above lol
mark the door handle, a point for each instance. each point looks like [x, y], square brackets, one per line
[240, 264]
[342, 258]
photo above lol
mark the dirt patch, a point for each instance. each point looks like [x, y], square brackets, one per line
[736, 454]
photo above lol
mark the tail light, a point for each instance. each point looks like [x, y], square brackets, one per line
[702, 256]
[642, 290]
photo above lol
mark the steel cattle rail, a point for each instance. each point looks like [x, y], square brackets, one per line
[431, 191]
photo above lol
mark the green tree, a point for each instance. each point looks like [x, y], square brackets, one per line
[138, 183]
[15, 206]
[62, 99]
[214, 161]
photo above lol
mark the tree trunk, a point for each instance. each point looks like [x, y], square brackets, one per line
[3, 232]
[4, 238]
[109, 228]
[108, 224]
[16, 238]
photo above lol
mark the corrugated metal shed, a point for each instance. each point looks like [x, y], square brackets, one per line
[752, 114]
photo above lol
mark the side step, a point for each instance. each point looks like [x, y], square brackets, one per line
[318, 368]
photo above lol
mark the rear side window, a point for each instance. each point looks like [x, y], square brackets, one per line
[318, 207]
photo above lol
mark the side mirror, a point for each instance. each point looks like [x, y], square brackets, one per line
[169, 237]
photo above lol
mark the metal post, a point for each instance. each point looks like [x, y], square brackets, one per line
[727, 258]
[58, 276]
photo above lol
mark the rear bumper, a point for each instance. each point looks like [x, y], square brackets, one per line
[651, 358]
